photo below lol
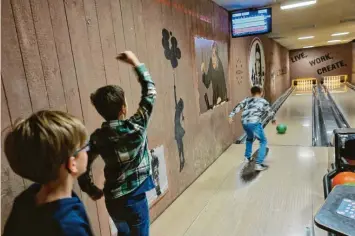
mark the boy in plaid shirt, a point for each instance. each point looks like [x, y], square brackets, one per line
[122, 143]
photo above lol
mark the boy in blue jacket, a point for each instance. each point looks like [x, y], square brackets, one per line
[49, 148]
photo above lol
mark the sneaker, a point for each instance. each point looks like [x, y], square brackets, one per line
[260, 167]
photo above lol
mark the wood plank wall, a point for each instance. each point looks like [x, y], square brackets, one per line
[56, 52]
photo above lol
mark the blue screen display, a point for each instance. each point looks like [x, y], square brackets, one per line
[251, 22]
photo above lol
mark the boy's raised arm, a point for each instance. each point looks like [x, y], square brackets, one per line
[142, 116]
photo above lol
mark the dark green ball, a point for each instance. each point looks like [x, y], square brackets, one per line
[281, 128]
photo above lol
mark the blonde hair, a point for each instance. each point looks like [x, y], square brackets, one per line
[36, 147]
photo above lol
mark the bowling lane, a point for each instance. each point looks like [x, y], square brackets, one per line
[345, 100]
[280, 201]
[296, 113]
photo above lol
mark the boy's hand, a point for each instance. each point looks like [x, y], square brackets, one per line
[273, 122]
[129, 58]
[97, 195]
[230, 119]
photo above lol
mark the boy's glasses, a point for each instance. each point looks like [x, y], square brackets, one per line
[85, 148]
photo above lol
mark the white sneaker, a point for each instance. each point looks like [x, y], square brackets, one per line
[260, 167]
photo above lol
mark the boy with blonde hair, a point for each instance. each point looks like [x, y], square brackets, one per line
[48, 148]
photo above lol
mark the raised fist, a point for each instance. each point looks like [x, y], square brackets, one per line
[129, 58]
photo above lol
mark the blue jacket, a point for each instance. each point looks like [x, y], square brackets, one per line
[64, 217]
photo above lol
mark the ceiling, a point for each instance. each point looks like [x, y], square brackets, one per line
[320, 20]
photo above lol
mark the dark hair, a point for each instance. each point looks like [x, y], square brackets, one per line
[108, 101]
[37, 146]
[256, 90]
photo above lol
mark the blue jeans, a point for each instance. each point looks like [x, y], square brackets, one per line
[130, 215]
[255, 130]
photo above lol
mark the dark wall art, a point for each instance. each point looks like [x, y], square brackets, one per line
[179, 129]
[297, 57]
[257, 63]
[173, 53]
[239, 71]
[159, 175]
[171, 50]
[212, 56]
[321, 61]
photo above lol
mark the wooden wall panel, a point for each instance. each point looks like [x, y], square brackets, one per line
[48, 54]
[131, 44]
[140, 34]
[93, 32]
[155, 56]
[65, 58]
[30, 54]
[119, 36]
[108, 44]
[12, 69]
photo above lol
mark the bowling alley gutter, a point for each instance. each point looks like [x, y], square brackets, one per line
[326, 117]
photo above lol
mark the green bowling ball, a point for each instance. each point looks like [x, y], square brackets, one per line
[281, 128]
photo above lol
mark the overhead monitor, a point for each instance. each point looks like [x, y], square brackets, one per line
[251, 22]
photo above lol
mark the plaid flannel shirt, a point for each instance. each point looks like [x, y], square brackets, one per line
[123, 146]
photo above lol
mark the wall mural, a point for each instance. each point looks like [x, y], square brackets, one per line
[319, 61]
[239, 71]
[159, 175]
[256, 63]
[212, 57]
[173, 53]
[328, 68]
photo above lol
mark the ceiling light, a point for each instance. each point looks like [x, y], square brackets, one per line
[334, 41]
[306, 37]
[338, 34]
[294, 4]
[308, 47]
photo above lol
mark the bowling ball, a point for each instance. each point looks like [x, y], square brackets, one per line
[343, 178]
[281, 128]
